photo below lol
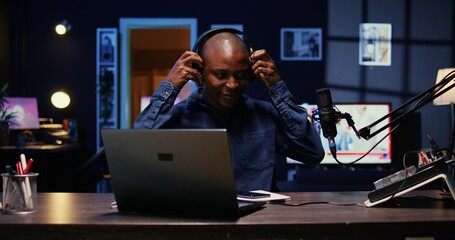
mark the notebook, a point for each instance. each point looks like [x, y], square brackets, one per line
[179, 172]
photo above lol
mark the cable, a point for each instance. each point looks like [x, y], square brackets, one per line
[371, 149]
[405, 175]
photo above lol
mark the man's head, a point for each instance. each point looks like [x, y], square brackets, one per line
[226, 72]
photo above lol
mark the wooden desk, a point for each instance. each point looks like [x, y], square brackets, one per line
[52, 162]
[89, 216]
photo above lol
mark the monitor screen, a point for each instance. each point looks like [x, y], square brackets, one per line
[26, 112]
[349, 146]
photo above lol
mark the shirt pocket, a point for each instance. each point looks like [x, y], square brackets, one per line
[256, 151]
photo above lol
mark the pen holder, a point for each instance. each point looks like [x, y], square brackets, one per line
[19, 193]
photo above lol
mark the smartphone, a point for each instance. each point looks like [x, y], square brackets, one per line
[246, 194]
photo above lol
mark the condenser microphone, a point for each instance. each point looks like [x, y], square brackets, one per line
[327, 117]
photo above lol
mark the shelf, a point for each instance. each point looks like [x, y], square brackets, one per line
[106, 62]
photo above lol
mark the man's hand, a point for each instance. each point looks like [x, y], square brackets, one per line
[182, 71]
[264, 67]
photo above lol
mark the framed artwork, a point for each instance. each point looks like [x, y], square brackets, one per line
[107, 43]
[301, 44]
[375, 46]
[106, 81]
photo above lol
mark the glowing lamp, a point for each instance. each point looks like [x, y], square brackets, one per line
[60, 99]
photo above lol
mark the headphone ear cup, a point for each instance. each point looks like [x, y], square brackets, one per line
[195, 66]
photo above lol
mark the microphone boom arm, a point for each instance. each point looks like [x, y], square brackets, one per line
[351, 123]
[365, 131]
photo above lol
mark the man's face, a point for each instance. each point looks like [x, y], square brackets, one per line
[226, 76]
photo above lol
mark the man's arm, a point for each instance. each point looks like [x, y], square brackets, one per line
[297, 138]
[163, 98]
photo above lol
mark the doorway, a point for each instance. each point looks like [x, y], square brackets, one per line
[149, 49]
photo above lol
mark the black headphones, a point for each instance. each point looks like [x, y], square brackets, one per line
[197, 48]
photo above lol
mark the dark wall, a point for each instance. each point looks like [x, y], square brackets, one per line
[4, 42]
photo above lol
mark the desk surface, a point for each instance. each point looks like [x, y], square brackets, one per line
[89, 216]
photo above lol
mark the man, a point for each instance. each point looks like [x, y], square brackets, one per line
[257, 130]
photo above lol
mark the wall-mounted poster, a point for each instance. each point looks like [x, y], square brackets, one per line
[375, 46]
[301, 44]
[106, 81]
[107, 44]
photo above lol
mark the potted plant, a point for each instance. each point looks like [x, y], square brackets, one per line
[6, 116]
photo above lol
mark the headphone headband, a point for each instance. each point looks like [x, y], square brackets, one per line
[210, 33]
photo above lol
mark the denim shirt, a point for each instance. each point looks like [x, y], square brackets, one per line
[256, 129]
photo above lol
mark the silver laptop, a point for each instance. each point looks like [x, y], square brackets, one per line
[173, 172]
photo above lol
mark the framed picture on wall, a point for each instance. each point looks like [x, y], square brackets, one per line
[301, 44]
[108, 41]
[106, 81]
[375, 46]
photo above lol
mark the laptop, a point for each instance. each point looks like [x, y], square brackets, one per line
[178, 172]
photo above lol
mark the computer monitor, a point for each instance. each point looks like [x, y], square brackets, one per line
[349, 146]
[26, 112]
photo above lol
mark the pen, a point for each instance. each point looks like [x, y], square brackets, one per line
[19, 168]
[29, 164]
[28, 190]
[23, 161]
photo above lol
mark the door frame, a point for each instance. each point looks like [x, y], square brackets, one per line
[126, 25]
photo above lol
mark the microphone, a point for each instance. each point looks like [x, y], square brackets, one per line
[327, 117]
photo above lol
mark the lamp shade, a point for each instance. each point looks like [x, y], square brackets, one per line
[448, 97]
[60, 99]
[63, 28]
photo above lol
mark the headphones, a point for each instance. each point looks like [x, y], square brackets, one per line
[197, 48]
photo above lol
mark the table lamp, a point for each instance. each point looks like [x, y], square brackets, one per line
[60, 99]
[448, 98]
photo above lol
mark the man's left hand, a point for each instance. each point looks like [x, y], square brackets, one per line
[264, 67]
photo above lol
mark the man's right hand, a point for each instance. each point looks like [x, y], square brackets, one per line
[182, 71]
